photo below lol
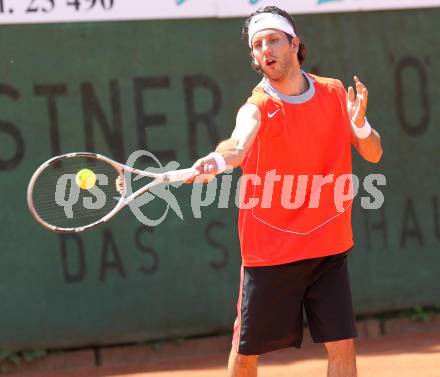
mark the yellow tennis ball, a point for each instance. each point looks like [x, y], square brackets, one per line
[85, 179]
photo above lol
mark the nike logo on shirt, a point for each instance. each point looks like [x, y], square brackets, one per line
[271, 115]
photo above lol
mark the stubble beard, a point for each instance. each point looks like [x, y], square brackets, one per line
[280, 73]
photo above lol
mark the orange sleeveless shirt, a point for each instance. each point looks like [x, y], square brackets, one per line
[295, 176]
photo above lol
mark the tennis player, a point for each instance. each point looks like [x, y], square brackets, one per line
[295, 125]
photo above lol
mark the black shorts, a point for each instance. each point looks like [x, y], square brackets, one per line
[271, 302]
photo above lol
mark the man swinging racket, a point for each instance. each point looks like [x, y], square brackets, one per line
[293, 142]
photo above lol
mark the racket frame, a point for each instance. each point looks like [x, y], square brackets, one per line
[159, 178]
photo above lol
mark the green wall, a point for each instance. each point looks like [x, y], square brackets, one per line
[173, 88]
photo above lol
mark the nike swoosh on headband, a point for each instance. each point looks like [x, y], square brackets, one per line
[269, 21]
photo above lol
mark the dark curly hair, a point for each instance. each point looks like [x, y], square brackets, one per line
[275, 10]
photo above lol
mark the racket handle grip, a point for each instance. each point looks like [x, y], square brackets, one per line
[181, 175]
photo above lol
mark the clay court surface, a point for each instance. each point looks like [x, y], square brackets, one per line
[406, 355]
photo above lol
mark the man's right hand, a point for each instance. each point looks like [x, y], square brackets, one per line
[207, 169]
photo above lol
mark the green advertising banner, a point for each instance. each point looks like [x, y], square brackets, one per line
[173, 88]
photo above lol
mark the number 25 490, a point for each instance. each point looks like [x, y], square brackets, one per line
[49, 5]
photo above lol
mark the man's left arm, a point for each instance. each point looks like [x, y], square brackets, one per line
[365, 139]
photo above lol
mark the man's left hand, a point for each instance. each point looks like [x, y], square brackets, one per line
[357, 103]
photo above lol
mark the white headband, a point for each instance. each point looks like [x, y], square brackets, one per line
[263, 21]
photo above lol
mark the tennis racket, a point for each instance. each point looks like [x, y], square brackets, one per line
[79, 191]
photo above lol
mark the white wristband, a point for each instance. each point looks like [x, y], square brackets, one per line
[362, 132]
[220, 161]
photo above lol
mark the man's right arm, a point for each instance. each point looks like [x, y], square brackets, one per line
[237, 146]
[234, 149]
